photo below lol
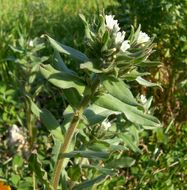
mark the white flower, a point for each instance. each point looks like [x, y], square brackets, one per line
[111, 23]
[143, 99]
[31, 44]
[142, 38]
[106, 124]
[125, 45]
[119, 37]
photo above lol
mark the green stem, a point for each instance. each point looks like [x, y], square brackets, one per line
[34, 181]
[60, 164]
[29, 124]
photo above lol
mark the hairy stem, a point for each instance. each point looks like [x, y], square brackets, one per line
[60, 164]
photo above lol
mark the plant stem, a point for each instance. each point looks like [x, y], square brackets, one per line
[29, 124]
[60, 164]
[34, 181]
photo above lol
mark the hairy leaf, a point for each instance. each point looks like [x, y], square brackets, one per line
[48, 120]
[125, 162]
[90, 66]
[88, 185]
[95, 114]
[67, 50]
[52, 124]
[60, 65]
[61, 79]
[117, 88]
[132, 113]
[144, 82]
[87, 154]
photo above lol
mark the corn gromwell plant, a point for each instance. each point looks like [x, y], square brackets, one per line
[103, 119]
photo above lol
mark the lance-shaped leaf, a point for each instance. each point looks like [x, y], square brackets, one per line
[88, 33]
[144, 82]
[36, 166]
[117, 88]
[129, 142]
[67, 50]
[149, 63]
[60, 65]
[132, 75]
[109, 171]
[131, 112]
[52, 124]
[48, 120]
[122, 163]
[90, 67]
[72, 96]
[86, 154]
[62, 79]
[89, 184]
[95, 114]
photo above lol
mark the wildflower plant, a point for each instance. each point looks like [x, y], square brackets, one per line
[103, 119]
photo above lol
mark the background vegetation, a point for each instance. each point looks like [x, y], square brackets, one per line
[163, 162]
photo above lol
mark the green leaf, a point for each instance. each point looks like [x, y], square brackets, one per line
[34, 108]
[55, 150]
[67, 50]
[99, 146]
[36, 166]
[144, 82]
[95, 114]
[118, 89]
[132, 75]
[86, 154]
[52, 124]
[25, 184]
[48, 120]
[136, 34]
[88, 32]
[68, 115]
[17, 161]
[33, 74]
[88, 185]
[74, 172]
[72, 96]
[15, 179]
[122, 163]
[132, 113]
[61, 79]
[149, 63]
[129, 142]
[90, 67]
[109, 171]
[60, 65]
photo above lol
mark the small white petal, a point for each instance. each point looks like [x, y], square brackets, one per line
[111, 23]
[116, 28]
[106, 125]
[31, 44]
[119, 38]
[124, 46]
[142, 38]
[143, 99]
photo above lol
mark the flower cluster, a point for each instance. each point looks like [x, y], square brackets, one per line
[110, 51]
[119, 37]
